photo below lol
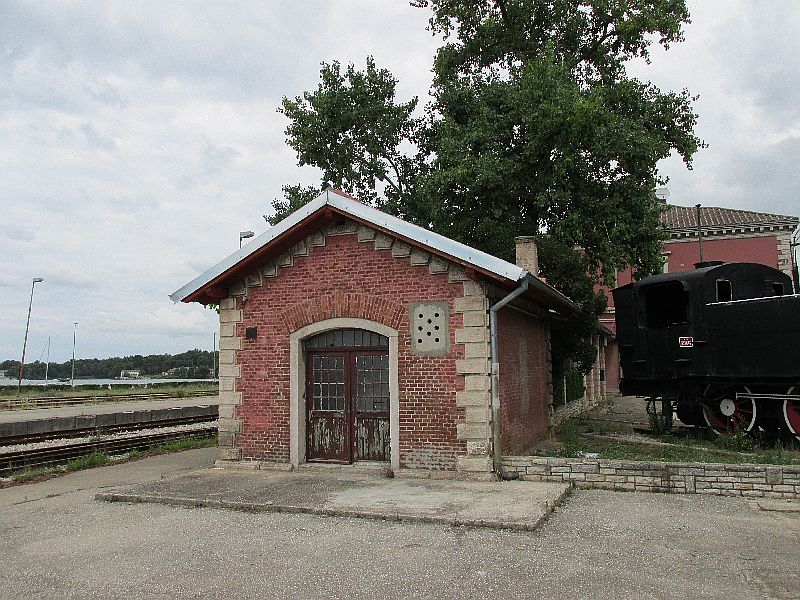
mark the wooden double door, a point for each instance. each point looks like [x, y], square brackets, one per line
[347, 398]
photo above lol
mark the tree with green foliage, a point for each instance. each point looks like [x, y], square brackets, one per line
[352, 129]
[535, 128]
[192, 364]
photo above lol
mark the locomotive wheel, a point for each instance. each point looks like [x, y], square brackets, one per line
[725, 413]
[791, 413]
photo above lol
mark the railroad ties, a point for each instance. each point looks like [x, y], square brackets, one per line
[55, 441]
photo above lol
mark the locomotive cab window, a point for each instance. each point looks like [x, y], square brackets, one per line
[664, 304]
[724, 290]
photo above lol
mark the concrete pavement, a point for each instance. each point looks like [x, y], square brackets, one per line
[353, 493]
[56, 541]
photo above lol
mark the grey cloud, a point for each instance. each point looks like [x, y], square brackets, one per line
[12, 232]
[97, 140]
[217, 158]
[757, 49]
[107, 94]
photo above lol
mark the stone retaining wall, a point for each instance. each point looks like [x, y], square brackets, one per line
[763, 481]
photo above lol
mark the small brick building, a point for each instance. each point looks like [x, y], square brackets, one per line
[350, 335]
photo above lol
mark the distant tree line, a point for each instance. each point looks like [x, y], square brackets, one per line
[193, 364]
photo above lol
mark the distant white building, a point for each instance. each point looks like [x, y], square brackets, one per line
[130, 374]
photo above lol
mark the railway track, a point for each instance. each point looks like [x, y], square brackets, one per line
[33, 438]
[55, 401]
[57, 455]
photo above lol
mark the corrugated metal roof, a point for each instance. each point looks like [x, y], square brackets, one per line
[358, 210]
[685, 217]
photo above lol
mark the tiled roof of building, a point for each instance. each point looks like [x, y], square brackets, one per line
[685, 217]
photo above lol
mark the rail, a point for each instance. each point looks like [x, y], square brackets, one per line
[45, 436]
[57, 455]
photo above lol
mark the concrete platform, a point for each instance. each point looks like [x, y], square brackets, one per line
[114, 416]
[520, 505]
[101, 408]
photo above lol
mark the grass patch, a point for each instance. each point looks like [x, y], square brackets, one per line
[101, 459]
[33, 474]
[186, 444]
[90, 461]
[696, 446]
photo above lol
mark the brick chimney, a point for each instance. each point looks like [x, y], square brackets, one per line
[527, 254]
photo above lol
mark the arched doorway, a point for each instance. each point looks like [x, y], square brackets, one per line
[347, 396]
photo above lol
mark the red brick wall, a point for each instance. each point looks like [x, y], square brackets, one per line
[347, 278]
[762, 250]
[524, 375]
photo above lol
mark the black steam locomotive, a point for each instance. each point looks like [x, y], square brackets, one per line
[719, 344]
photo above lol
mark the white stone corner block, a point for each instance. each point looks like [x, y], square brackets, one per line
[230, 315]
[474, 464]
[230, 370]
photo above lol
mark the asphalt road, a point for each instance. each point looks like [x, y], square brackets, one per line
[56, 542]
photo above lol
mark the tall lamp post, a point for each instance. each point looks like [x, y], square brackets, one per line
[243, 235]
[74, 337]
[27, 326]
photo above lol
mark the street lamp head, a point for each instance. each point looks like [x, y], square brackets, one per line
[37, 280]
[245, 234]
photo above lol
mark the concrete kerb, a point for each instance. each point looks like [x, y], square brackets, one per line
[521, 506]
[334, 512]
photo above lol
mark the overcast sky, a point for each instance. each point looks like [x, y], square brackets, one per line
[138, 139]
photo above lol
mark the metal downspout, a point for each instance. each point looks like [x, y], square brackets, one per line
[497, 454]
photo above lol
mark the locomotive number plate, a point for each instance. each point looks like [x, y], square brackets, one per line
[686, 342]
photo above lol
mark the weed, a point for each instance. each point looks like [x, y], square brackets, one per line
[95, 459]
[34, 473]
[737, 441]
[659, 424]
[695, 445]
[186, 444]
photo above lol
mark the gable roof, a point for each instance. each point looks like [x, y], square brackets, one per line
[310, 217]
[685, 217]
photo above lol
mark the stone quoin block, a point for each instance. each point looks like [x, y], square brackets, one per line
[468, 398]
[472, 366]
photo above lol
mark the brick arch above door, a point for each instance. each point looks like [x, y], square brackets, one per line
[352, 305]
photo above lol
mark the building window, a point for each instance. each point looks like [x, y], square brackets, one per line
[724, 290]
[664, 304]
